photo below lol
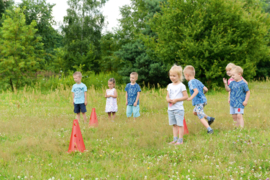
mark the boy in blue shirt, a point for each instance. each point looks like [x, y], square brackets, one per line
[197, 90]
[239, 95]
[79, 96]
[132, 96]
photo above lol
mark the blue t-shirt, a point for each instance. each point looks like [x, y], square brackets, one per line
[200, 97]
[132, 91]
[79, 90]
[238, 93]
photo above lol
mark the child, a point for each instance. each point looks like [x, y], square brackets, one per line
[176, 94]
[79, 96]
[111, 102]
[228, 68]
[197, 90]
[132, 96]
[239, 95]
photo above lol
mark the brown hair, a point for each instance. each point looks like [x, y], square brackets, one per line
[134, 74]
[230, 66]
[238, 69]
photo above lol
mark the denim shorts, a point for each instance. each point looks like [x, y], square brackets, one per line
[79, 108]
[133, 109]
[236, 110]
[176, 117]
[199, 110]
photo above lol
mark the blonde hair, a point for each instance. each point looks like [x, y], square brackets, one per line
[78, 73]
[230, 66]
[134, 74]
[190, 70]
[238, 69]
[178, 70]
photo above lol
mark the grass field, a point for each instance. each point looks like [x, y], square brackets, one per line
[36, 127]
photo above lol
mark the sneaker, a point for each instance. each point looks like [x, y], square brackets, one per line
[210, 132]
[211, 121]
[178, 143]
[173, 142]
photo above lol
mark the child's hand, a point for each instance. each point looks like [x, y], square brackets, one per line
[229, 101]
[189, 99]
[85, 102]
[245, 103]
[135, 104]
[173, 101]
[126, 103]
[224, 80]
[169, 100]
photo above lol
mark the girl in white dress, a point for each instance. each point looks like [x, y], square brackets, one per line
[111, 102]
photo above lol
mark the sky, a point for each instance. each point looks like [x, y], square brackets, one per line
[110, 11]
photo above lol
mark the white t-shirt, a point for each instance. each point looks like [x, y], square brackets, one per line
[176, 92]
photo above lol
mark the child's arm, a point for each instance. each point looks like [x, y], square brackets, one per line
[115, 94]
[85, 96]
[226, 85]
[193, 95]
[247, 97]
[205, 90]
[229, 97]
[126, 98]
[168, 97]
[185, 97]
[73, 98]
[137, 99]
[245, 81]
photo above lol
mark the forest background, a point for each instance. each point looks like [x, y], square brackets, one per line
[152, 36]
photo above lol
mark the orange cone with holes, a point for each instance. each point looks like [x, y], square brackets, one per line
[185, 127]
[76, 141]
[93, 118]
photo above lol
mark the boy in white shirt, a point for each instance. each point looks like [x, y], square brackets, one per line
[176, 94]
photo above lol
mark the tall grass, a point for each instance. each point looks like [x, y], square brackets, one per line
[35, 131]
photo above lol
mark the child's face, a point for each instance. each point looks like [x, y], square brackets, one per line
[133, 79]
[174, 77]
[77, 79]
[229, 73]
[110, 84]
[236, 76]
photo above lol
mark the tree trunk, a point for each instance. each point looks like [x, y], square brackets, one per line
[11, 84]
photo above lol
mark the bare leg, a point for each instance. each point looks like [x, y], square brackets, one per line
[205, 123]
[113, 116]
[240, 120]
[109, 115]
[234, 116]
[181, 131]
[84, 117]
[78, 117]
[175, 130]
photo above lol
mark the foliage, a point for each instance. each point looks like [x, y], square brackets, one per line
[3, 6]
[133, 55]
[20, 51]
[134, 58]
[41, 12]
[210, 34]
[82, 33]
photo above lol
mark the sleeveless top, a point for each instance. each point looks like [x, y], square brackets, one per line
[111, 103]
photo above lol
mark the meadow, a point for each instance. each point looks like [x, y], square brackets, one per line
[36, 127]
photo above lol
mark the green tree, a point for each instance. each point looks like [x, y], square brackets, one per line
[133, 54]
[210, 34]
[20, 51]
[82, 33]
[4, 4]
[41, 12]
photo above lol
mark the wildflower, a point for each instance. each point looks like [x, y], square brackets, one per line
[148, 168]
[19, 177]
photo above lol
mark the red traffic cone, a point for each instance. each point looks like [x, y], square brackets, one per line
[76, 140]
[185, 127]
[93, 118]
